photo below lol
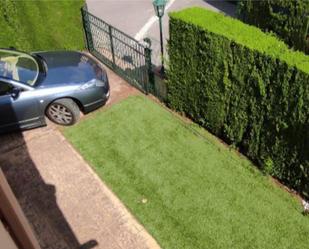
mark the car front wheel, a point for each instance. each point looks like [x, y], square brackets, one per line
[63, 112]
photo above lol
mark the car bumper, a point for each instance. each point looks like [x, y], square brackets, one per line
[96, 104]
[108, 94]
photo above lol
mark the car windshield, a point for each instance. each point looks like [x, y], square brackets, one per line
[18, 66]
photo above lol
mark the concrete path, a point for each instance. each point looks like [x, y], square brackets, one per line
[136, 17]
[66, 203]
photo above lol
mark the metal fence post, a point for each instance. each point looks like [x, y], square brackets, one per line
[150, 82]
[87, 29]
[112, 44]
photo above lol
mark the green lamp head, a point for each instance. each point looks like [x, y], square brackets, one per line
[159, 7]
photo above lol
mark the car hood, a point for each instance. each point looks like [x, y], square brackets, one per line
[68, 67]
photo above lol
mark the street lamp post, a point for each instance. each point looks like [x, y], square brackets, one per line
[159, 6]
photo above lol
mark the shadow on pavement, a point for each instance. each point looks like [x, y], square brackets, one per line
[36, 197]
[228, 7]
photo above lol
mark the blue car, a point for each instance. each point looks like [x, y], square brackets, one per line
[56, 84]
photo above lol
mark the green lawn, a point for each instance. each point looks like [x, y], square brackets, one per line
[200, 194]
[41, 24]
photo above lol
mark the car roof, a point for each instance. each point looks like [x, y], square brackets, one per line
[13, 49]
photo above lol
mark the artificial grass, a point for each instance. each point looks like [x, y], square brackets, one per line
[200, 193]
[41, 25]
[243, 34]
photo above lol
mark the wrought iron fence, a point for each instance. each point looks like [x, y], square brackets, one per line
[122, 53]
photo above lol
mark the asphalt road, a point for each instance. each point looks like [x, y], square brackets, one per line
[137, 17]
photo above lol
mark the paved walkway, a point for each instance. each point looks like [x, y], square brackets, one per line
[66, 203]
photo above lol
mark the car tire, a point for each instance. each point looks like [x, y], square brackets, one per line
[63, 112]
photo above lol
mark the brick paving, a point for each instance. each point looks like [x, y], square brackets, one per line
[66, 203]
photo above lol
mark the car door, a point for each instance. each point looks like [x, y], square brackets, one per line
[19, 109]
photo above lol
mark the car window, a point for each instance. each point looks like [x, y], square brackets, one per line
[18, 66]
[5, 88]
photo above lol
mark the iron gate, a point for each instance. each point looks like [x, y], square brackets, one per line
[122, 53]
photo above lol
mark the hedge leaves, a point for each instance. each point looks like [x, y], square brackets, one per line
[246, 87]
[289, 19]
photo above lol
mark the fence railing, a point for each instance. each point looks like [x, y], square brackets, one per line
[119, 51]
[126, 56]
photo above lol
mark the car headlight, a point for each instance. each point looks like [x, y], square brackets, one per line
[100, 83]
[92, 83]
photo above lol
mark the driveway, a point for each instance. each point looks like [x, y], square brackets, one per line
[68, 206]
[136, 17]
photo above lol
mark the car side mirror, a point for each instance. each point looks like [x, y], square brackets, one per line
[15, 93]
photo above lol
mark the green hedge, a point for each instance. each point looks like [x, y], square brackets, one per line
[41, 25]
[246, 87]
[289, 19]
